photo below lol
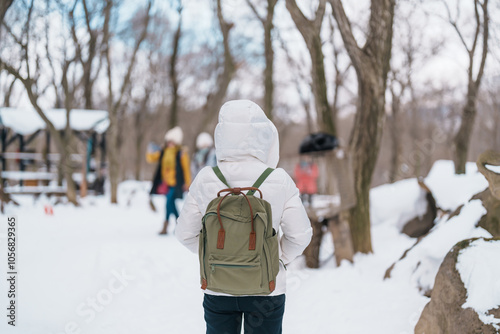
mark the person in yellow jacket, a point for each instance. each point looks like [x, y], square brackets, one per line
[173, 174]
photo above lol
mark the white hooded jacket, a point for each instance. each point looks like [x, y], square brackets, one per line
[246, 143]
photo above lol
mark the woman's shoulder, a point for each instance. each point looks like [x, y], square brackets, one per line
[281, 173]
[279, 177]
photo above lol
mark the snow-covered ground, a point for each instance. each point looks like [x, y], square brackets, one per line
[102, 268]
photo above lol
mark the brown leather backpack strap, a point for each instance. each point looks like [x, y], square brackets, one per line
[222, 233]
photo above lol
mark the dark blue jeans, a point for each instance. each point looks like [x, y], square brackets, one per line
[171, 209]
[262, 314]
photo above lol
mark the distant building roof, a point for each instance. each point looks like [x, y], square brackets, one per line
[26, 121]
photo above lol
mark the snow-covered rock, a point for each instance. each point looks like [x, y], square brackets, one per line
[421, 263]
[466, 294]
[480, 273]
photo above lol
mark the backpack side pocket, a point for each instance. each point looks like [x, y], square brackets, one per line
[272, 243]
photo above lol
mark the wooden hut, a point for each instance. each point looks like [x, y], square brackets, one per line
[28, 164]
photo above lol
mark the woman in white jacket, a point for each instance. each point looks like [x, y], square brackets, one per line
[246, 143]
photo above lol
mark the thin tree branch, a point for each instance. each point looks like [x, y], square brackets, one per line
[478, 28]
[345, 28]
[128, 74]
[320, 13]
[297, 15]
[256, 13]
[486, 20]
[454, 25]
[78, 46]
[26, 32]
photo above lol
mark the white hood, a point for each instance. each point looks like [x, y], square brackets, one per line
[244, 132]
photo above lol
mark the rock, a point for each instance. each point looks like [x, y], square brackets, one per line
[491, 196]
[484, 163]
[491, 220]
[444, 313]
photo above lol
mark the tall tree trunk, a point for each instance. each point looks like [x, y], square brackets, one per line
[88, 81]
[311, 32]
[115, 106]
[67, 165]
[395, 136]
[215, 99]
[268, 26]
[140, 117]
[269, 55]
[174, 80]
[372, 64]
[463, 136]
[319, 87]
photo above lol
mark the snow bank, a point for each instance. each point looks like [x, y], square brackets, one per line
[397, 203]
[450, 190]
[421, 264]
[480, 272]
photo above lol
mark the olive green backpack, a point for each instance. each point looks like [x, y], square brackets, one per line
[238, 245]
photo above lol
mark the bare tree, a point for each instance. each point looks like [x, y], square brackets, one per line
[8, 93]
[397, 88]
[298, 79]
[88, 49]
[340, 73]
[148, 107]
[174, 80]
[371, 63]
[116, 103]
[140, 118]
[215, 99]
[463, 136]
[29, 73]
[310, 31]
[414, 49]
[267, 23]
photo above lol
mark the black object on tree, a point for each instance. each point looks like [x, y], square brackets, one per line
[318, 142]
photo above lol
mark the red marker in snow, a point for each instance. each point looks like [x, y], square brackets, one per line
[48, 210]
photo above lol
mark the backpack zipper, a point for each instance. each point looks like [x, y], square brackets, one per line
[213, 265]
